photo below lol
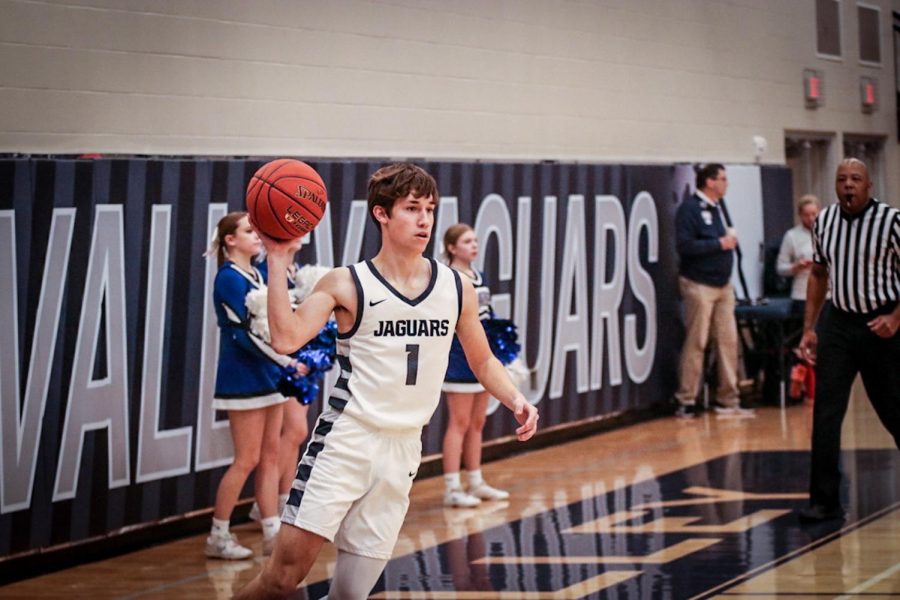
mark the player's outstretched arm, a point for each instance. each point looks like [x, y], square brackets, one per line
[487, 368]
[291, 329]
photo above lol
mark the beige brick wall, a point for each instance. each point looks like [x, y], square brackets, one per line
[611, 80]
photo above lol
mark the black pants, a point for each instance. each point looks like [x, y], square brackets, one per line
[848, 347]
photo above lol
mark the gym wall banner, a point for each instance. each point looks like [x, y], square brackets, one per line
[108, 338]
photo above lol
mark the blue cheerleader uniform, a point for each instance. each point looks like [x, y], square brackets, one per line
[318, 354]
[459, 376]
[249, 369]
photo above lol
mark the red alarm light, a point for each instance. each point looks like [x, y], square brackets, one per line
[868, 94]
[813, 88]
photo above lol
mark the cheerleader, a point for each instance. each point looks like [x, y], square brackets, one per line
[246, 387]
[294, 428]
[467, 400]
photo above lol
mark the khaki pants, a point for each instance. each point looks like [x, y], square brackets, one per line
[708, 311]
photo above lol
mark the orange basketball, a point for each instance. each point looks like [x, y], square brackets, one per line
[286, 199]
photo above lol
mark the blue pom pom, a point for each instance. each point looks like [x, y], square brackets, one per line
[318, 355]
[503, 339]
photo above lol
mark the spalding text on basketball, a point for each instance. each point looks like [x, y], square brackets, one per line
[305, 194]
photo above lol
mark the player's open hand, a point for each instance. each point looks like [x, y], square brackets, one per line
[277, 247]
[885, 326]
[527, 416]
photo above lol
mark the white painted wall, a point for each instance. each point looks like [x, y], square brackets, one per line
[600, 80]
[744, 201]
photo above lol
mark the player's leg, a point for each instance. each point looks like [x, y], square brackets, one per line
[333, 475]
[354, 576]
[472, 451]
[246, 428]
[459, 414]
[372, 525]
[293, 556]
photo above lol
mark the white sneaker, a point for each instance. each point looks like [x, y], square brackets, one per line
[227, 547]
[459, 499]
[486, 492]
[735, 411]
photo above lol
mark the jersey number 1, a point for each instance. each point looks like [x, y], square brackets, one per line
[412, 363]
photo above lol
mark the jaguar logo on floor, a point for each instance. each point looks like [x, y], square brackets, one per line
[688, 534]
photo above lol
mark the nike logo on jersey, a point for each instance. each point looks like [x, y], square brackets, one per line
[412, 473]
[413, 327]
[371, 303]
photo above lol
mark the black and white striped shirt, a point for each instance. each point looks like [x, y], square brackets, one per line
[862, 254]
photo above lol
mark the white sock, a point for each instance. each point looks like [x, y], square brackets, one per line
[451, 481]
[219, 527]
[270, 526]
[354, 576]
[475, 478]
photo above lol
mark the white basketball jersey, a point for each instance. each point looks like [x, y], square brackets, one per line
[394, 359]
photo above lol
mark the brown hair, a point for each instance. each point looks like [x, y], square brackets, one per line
[451, 236]
[398, 180]
[226, 226]
[806, 200]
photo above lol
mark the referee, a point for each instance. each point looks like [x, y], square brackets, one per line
[856, 249]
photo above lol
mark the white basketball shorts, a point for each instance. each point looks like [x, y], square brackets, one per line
[352, 485]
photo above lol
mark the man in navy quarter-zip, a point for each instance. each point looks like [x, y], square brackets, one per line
[706, 249]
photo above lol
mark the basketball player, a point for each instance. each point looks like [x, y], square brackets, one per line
[396, 316]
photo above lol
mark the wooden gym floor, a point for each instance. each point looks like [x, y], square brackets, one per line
[663, 509]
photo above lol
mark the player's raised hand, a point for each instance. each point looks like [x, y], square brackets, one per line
[277, 247]
[527, 416]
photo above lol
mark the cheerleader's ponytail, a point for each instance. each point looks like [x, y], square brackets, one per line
[226, 226]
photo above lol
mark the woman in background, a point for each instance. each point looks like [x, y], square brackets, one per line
[467, 400]
[246, 387]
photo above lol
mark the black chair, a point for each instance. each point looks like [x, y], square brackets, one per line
[774, 285]
[773, 329]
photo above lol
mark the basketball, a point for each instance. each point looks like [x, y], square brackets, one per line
[286, 199]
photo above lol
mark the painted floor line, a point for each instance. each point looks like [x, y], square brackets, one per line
[870, 582]
[798, 552]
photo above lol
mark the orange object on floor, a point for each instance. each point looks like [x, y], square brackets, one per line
[799, 374]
